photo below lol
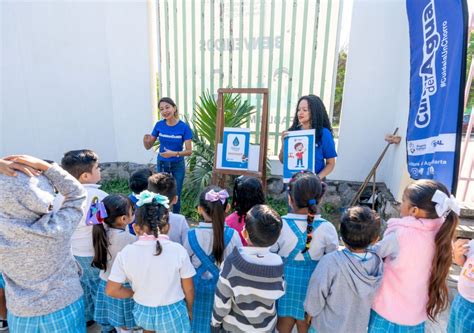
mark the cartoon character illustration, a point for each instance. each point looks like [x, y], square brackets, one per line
[300, 150]
[468, 272]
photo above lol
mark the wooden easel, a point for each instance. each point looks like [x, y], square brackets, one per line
[219, 175]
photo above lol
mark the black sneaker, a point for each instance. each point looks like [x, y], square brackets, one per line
[3, 325]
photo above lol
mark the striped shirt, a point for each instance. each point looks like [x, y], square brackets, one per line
[246, 293]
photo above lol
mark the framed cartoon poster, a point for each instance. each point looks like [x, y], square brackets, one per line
[235, 148]
[298, 152]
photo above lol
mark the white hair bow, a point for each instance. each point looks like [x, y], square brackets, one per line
[445, 204]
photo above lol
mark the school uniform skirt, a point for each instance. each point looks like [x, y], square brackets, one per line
[69, 319]
[113, 312]
[90, 283]
[203, 305]
[379, 324]
[297, 275]
[172, 318]
[461, 318]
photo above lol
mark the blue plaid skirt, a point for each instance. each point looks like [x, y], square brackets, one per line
[113, 312]
[297, 275]
[90, 283]
[202, 306]
[461, 318]
[70, 320]
[2, 282]
[378, 324]
[171, 318]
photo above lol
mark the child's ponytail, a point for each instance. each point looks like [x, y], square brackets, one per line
[306, 191]
[105, 212]
[153, 214]
[218, 218]
[312, 211]
[214, 202]
[101, 244]
[437, 288]
[157, 216]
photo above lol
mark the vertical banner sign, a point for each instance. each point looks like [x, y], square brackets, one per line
[438, 35]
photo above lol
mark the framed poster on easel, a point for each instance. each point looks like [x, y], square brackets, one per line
[235, 148]
[298, 152]
[234, 153]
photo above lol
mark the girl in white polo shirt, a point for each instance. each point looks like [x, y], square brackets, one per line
[159, 271]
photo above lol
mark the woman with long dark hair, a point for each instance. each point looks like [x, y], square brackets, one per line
[311, 114]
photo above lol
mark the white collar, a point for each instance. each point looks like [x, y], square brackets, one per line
[254, 251]
[205, 225]
[96, 186]
[300, 216]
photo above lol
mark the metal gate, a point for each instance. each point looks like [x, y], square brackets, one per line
[288, 46]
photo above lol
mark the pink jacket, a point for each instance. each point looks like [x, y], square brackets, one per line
[233, 221]
[403, 295]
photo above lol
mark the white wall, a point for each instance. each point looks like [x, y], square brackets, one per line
[376, 93]
[76, 75]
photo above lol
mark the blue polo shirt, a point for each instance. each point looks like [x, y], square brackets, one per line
[172, 138]
[325, 149]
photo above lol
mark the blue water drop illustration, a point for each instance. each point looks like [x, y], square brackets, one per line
[236, 142]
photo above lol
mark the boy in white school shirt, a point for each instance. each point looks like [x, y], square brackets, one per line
[84, 166]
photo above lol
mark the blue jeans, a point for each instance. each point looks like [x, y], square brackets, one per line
[177, 169]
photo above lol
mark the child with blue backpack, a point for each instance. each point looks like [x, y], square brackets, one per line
[208, 245]
[304, 239]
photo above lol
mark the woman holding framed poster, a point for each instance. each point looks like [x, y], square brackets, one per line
[172, 133]
[311, 114]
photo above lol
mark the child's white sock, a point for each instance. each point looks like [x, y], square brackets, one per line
[121, 330]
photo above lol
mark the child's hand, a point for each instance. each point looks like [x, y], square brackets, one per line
[29, 161]
[307, 318]
[460, 249]
[9, 168]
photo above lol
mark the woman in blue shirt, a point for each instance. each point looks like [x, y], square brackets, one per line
[172, 133]
[311, 114]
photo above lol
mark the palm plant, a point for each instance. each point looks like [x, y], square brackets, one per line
[203, 124]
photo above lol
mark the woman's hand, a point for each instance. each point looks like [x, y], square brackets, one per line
[148, 141]
[9, 168]
[29, 161]
[284, 134]
[168, 153]
[460, 249]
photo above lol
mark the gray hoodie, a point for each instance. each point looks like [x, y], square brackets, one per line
[341, 291]
[40, 272]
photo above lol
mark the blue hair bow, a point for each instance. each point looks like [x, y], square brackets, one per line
[147, 197]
